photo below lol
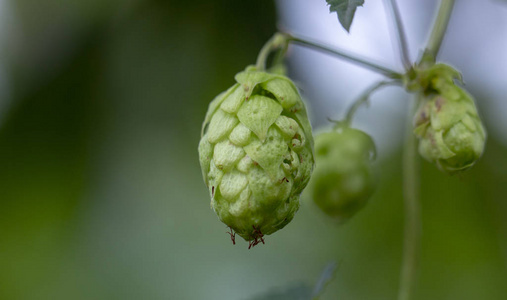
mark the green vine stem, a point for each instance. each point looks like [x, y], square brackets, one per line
[344, 55]
[412, 230]
[363, 98]
[281, 40]
[437, 33]
[278, 41]
[401, 36]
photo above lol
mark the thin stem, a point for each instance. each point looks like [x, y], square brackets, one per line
[412, 231]
[438, 31]
[263, 56]
[345, 55]
[277, 41]
[401, 36]
[363, 98]
[278, 59]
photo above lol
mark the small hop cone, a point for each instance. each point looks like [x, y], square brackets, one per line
[343, 180]
[256, 153]
[447, 124]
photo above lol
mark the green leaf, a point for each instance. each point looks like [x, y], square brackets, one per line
[345, 10]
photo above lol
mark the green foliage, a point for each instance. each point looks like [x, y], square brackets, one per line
[345, 10]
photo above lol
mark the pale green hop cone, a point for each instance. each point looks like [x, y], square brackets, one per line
[343, 180]
[256, 153]
[449, 129]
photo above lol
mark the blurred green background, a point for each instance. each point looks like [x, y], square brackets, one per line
[101, 195]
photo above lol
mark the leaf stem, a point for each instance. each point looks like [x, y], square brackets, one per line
[412, 230]
[438, 32]
[344, 55]
[363, 98]
[277, 41]
[401, 36]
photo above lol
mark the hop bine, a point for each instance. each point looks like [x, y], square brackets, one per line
[256, 153]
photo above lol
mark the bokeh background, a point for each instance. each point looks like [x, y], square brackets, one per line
[101, 195]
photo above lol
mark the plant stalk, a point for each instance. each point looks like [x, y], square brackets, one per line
[363, 98]
[344, 55]
[438, 32]
[401, 36]
[412, 227]
[412, 230]
[278, 41]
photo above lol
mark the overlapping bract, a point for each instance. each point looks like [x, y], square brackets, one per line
[447, 124]
[256, 153]
[343, 180]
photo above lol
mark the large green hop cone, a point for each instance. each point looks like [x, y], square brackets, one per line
[447, 124]
[256, 153]
[343, 180]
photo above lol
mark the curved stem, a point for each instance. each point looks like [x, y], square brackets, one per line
[363, 98]
[412, 231]
[438, 31]
[401, 36]
[344, 55]
[278, 59]
[263, 56]
[277, 41]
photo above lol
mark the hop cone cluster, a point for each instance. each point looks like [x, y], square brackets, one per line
[342, 181]
[447, 124]
[256, 153]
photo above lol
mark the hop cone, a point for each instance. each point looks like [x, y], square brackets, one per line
[447, 124]
[256, 153]
[342, 181]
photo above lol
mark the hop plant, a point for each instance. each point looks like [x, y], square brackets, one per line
[256, 153]
[342, 181]
[447, 124]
